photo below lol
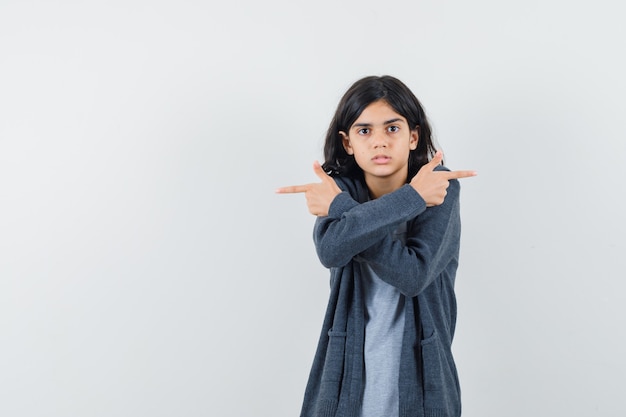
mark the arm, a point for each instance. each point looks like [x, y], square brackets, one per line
[345, 228]
[432, 243]
[350, 227]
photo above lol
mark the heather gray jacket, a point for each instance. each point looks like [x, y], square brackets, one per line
[423, 269]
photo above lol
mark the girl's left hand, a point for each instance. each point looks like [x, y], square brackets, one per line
[318, 195]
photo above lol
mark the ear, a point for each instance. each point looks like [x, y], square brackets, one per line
[414, 138]
[345, 140]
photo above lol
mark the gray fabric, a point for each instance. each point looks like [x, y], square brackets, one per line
[358, 232]
[384, 327]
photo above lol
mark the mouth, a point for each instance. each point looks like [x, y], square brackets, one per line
[381, 159]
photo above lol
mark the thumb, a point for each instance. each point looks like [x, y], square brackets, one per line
[435, 161]
[319, 171]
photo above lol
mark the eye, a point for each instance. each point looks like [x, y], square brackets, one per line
[393, 129]
[363, 131]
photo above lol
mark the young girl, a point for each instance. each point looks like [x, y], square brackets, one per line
[388, 228]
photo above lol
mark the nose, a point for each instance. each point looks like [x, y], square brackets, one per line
[379, 140]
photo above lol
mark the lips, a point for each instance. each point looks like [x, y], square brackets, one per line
[381, 159]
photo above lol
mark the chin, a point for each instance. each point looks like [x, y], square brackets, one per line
[382, 174]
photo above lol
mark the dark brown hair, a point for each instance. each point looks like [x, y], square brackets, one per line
[360, 95]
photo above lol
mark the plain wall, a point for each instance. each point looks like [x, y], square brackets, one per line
[148, 269]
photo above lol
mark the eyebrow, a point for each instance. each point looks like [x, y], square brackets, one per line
[397, 119]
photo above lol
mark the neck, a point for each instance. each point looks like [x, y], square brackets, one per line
[378, 187]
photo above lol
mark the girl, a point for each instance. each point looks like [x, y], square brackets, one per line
[388, 228]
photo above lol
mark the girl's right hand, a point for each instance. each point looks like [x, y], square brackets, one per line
[432, 185]
[318, 195]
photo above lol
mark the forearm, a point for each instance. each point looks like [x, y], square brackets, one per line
[432, 244]
[351, 227]
[410, 267]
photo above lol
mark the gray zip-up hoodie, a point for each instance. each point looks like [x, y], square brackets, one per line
[423, 268]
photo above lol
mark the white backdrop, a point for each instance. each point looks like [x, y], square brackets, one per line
[148, 269]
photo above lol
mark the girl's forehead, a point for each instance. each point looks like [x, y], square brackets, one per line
[379, 112]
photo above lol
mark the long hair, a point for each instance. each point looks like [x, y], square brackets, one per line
[360, 95]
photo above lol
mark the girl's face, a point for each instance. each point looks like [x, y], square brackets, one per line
[381, 140]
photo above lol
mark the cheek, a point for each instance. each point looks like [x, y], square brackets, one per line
[360, 157]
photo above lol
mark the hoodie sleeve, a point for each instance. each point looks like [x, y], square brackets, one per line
[352, 227]
[432, 243]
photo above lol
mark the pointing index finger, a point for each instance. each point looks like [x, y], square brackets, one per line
[451, 175]
[291, 189]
